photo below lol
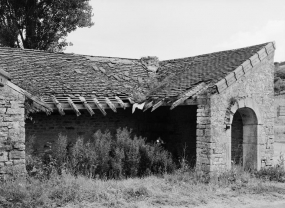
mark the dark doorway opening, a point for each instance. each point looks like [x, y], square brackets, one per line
[237, 139]
[176, 128]
[244, 138]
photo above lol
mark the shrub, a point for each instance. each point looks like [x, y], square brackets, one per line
[79, 158]
[275, 173]
[59, 152]
[37, 164]
[129, 148]
[102, 147]
[103, 156]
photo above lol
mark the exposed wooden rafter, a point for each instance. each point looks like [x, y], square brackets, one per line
[122, 104]
[99, 106]
[147, 106]
[131, 100]
[73, 106]
[87, 106]
[158, 104]
[110, 104]
[58, 105]
[195, 90]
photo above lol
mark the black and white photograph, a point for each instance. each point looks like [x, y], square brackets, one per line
[142, 103]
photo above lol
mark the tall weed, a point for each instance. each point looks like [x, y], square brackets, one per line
[103, 156]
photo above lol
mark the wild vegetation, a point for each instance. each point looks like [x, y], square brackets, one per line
[279, 77]
[102, 156]
[125, 171]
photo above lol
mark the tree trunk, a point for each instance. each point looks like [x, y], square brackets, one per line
[31, 23]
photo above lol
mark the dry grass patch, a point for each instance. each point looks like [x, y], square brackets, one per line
[181, 189]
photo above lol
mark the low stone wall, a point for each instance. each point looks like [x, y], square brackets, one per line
[12, 130]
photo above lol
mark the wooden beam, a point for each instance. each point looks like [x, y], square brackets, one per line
[158, 104]
[87, 106]
[58, 105]
[73, 106]
[110, 104]
[147, 106]
[28, 95]
[120, 102]
[131, 100]
[99, 106]
[190, 102]
[195, 90]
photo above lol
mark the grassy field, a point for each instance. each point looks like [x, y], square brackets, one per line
[180, 189]
[126, 172]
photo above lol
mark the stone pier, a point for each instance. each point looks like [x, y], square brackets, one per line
[12, 128]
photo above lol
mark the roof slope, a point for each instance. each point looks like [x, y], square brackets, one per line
[62, 74]
[71, 75]
[182, 74]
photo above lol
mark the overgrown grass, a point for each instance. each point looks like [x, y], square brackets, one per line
[181, 188]
[127, 172]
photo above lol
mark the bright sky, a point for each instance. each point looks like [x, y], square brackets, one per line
[179, 28]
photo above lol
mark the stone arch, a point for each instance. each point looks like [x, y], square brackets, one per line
[245, 120]
[249, 103]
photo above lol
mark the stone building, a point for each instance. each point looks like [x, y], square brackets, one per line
[12, 124]
[218, 106]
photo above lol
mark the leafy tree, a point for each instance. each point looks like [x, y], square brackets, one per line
[41, 24]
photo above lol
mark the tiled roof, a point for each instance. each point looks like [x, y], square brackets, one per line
[68, 74]
[182, 74]
[74, 75]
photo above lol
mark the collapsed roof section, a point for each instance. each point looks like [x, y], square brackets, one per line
[70, 81]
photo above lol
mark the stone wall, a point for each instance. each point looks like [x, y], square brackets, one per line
[176, 127]
[203, 132]
[279, 128]
[253, 90]
[12, 130]
[279, 120]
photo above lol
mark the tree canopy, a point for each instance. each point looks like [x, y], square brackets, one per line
[41, 24]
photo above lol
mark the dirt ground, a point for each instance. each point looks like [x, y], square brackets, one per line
[246, 203]
[236, 203]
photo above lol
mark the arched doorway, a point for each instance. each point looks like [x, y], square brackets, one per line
[244, 138]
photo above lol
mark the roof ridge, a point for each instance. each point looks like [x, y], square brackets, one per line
[196, 56]
[109, 57]
[62, 53]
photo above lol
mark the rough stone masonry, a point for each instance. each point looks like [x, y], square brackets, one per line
[237, 110]
[12, 129]
[253, 97]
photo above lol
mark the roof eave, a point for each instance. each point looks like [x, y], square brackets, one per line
[5, 74]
